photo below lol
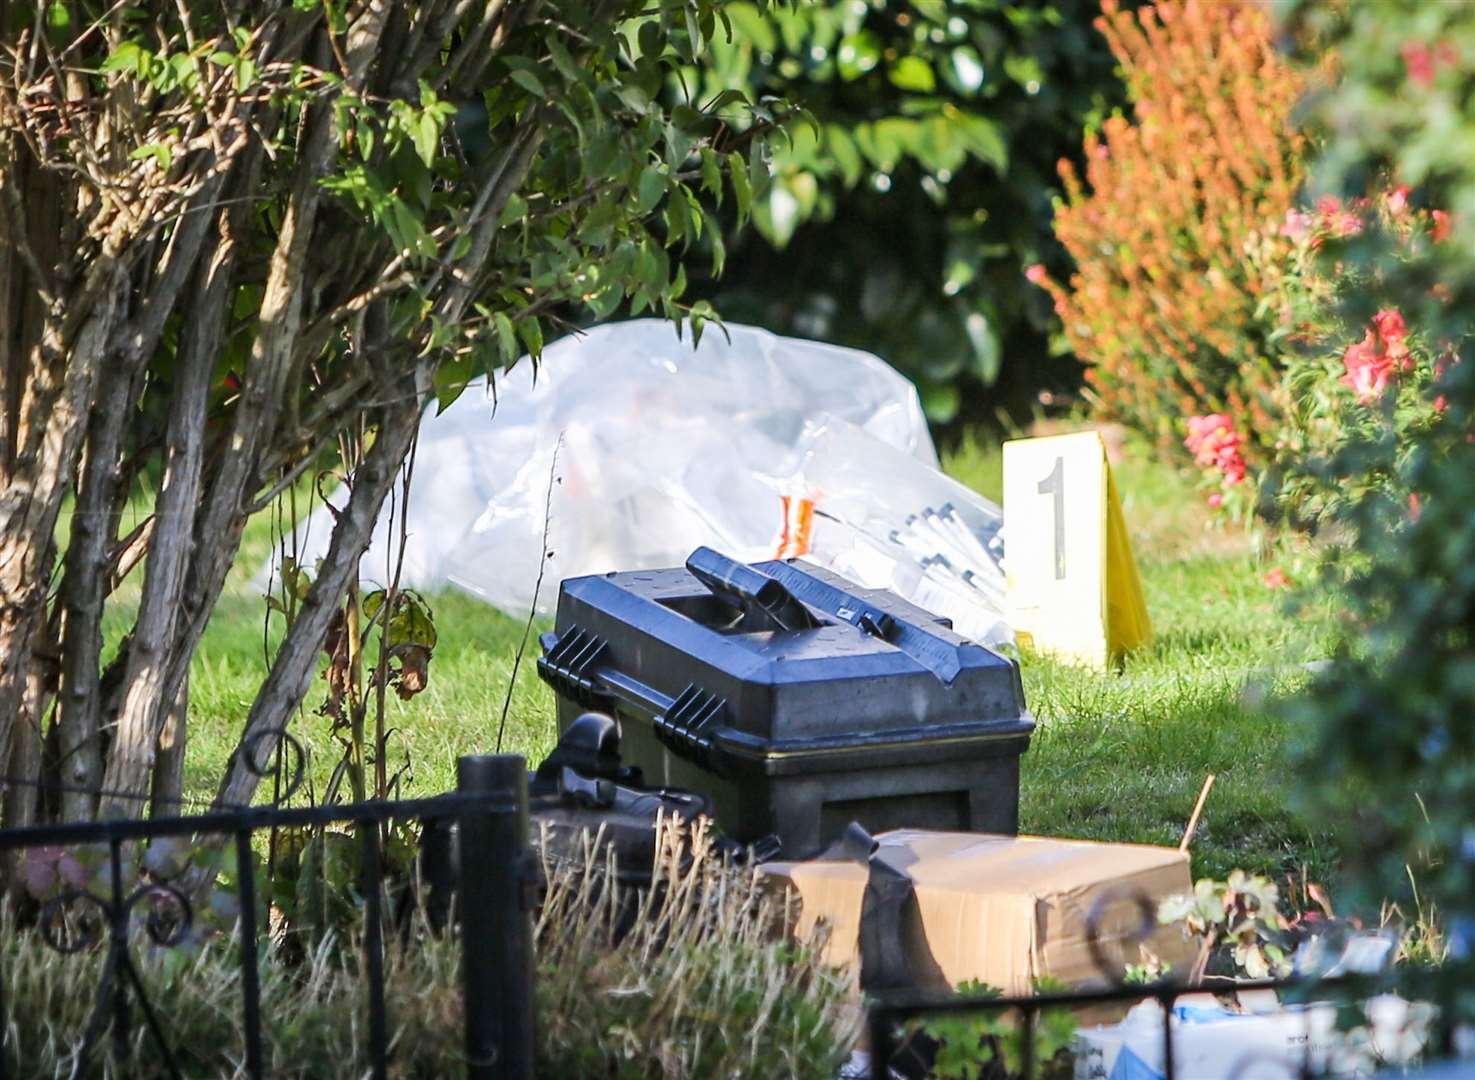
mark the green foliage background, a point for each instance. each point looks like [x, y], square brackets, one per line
[1393, 720]
[901, 219]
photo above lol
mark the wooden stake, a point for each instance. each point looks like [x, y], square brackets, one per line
[1198, 808]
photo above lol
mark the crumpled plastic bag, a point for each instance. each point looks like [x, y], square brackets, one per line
[636, 448]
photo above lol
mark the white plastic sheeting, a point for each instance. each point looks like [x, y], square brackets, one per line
[753, 444]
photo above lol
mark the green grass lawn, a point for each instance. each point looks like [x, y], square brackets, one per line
[1116, 756]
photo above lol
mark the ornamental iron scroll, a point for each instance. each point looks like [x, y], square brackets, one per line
[74, 922]
[491, 806]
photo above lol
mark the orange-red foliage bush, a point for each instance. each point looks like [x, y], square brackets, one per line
[1179, 211]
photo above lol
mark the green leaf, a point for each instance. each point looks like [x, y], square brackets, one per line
[532, 336]
[515, 210]
[426, 135]
[987, 352]
[696, 40]
[719, 252]
[984, 140]
[857, 55]
[678, 220]
[451, 378]
[652, 38]
[564, 62]
[712, 174]
[939, 402]
[742, 190]
[161, 154]
[845, 154]
[58, 18]
[529, 82]
[652, 187]
[724, 99]
[913, 73]
[245, 74]
[129, 56]
[507, 337]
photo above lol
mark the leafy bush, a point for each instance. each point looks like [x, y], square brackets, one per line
[1393, 750]
[1178, 213]
[687, 981]
[271, 237]
[1348, 386]
[991, 1046]
[902, 219]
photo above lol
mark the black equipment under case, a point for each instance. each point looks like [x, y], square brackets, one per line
[796, 700]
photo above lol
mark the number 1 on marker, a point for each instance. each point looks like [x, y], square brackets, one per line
[1075, 592]
[1055, 483]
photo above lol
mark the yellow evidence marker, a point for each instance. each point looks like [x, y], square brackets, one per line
[1072, 584]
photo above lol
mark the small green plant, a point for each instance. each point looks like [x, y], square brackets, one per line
[993, 1045]
[1242, 915]
[1146, 973]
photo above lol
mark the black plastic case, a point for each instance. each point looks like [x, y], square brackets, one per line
[796, 700]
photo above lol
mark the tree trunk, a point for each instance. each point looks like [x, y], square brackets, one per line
[23, 797]
[85, 587]
[167, 793]
[296, 659]
[147, 688]
[53, 417]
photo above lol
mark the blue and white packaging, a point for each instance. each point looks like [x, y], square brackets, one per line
[1212, 1042]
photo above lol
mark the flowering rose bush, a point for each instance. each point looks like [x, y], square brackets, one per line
[1343, 387]
[1208, 284]
[1391, 723]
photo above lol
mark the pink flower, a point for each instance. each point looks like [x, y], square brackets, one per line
[1419, 62]
[1297, 225]
[1368, 368]
[1339, 220]
[1398, 199]
[1383, 350]
[1216, 500]
[1393, 332]
[1216, 445]
[1414, 506]
[1275, 578]
[1036, 274]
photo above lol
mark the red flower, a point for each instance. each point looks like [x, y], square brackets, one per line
[1393, 332]
[1336, 219]
[1368, 368]
[1440, 232]
[1216, 500]
[1275, 578]
[1423, 62]
[1419, 61]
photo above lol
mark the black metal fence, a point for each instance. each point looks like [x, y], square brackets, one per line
[490, 806]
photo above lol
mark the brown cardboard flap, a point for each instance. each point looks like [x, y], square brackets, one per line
[1001, 910]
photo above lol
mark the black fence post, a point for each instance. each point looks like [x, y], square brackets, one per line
[496, 927]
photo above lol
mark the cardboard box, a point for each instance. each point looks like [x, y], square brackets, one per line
[1002, 910]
